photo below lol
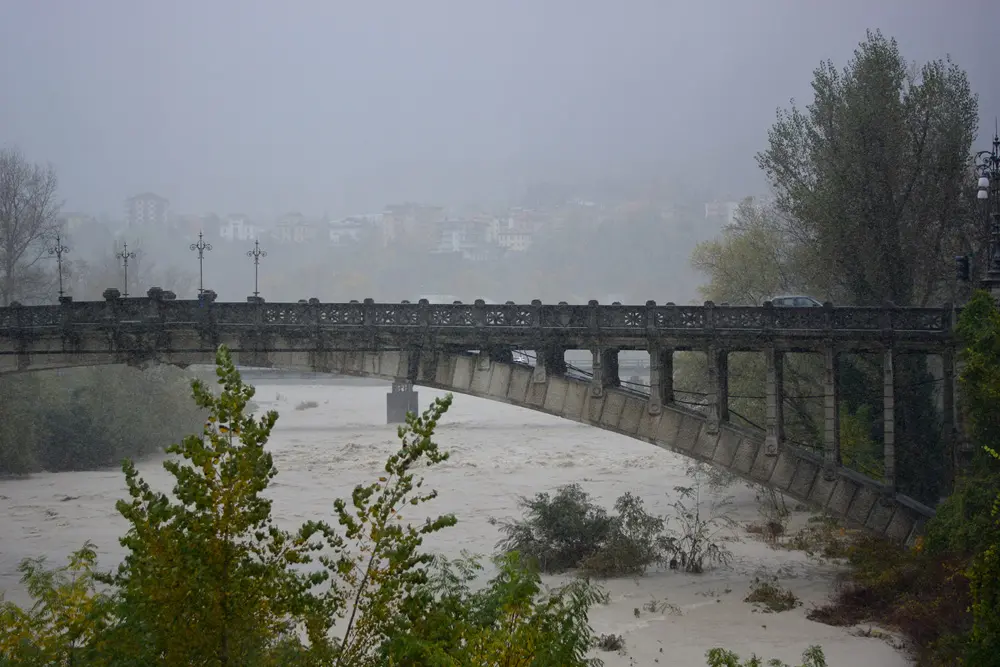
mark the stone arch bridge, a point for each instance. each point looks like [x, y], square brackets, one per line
[468, 348]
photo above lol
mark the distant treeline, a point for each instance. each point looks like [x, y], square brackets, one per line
[85, 418]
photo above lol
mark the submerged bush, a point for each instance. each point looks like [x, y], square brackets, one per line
[568, 530]
[717, 657]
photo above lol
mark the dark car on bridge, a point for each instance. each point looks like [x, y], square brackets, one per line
[796, 301]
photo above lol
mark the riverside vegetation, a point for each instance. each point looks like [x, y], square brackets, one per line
[209, 579]
[944, 593]
[85, 418]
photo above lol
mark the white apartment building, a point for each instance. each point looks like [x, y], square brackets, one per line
[237, 227]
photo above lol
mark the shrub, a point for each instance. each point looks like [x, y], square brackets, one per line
[568, 530]
[610, 642]
[769, 596]
[701, 538]
[717, 657]
[307, 405]
[637, 541]
[774, 512]
[557, 532]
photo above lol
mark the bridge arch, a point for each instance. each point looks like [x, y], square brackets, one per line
[795, 472]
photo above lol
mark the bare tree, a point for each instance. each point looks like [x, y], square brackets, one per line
[28, 210]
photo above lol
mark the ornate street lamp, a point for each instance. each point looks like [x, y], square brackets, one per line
[125, 256]
[59, 250]
[988, 167]
[201, 247]
[256, 253]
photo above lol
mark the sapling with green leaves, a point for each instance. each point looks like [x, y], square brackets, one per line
[384, 566]
[208, 577]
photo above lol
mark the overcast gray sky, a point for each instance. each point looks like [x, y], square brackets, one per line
[263, 106]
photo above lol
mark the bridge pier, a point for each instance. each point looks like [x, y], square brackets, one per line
[831, 411]
[775, 399]
[400, 400]
[661, 377]
[605, 370]
[548, 359]
[889, 420]
[718, 388]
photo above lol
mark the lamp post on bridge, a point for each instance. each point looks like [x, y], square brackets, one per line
[201, 247]
[59, 250]
[988, 167]
[125, 256]
[256, 253]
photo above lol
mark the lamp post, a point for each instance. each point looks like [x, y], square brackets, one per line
[201, 247]
[988, 167]
[256, 253]
[59, 250]
[125, 256]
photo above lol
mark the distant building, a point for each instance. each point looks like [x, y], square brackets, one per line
[237, 227]
[294, 228]
[514, 233]
[147, 210]
[410, 221]
[723, 212]
[466, 237]
[351, 229]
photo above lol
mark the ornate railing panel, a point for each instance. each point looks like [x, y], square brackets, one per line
[685, 318]
[921, 319]
[800, 319]
[615, 319]
[41, 316]
[857, 319]
[742, 317]
[341, 314]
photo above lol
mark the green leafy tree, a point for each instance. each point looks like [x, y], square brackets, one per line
[976, 515]
[873, 177]
[753, 260]
[513, 620]
[208, 578]
[65, 625]
[873, 200]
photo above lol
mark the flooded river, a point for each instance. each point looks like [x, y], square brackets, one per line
[499, 452]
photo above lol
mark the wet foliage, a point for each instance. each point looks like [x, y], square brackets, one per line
[568, 530]
[86, 418]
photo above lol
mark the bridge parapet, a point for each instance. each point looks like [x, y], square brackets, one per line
[902, 325]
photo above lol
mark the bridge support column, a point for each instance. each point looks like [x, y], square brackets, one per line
[889, 420]
[775, 397]
[718, 388]
[831, 411]
[610, 364]
[605, 370]
[948, 421]
[661, 378]
[400, 400]
[548, 359]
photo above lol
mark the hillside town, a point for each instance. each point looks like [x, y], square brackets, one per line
[474, 236]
